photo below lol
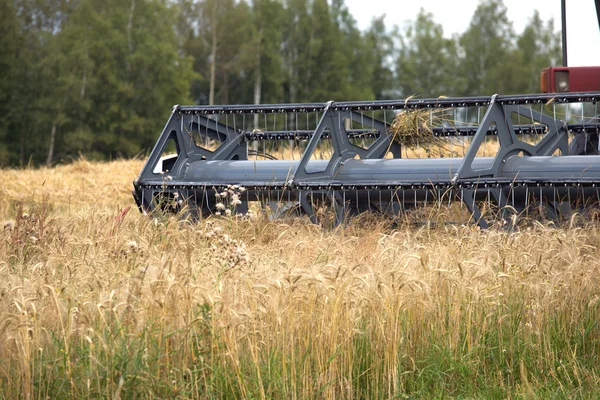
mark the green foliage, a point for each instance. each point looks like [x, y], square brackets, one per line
[100, 77]
[495, 357]
[489, 57]
[539, 46]
[8, 70]
[379, 44]
[427, 61]
[487, 46]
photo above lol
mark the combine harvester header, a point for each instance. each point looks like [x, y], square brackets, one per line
[495, 155]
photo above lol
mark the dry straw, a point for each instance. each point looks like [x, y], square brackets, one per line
[231, 308]
[414, 129]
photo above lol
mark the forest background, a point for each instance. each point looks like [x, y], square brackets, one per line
[99, 77]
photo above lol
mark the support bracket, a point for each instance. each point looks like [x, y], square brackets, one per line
[333, 120]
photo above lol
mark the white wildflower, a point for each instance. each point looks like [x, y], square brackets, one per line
[228, 213]
[220, 206]
[132, 245]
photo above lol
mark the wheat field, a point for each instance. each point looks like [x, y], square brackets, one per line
[99, 301]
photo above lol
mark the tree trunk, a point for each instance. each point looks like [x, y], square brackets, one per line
[258, 79]
[292, 76]
[22, 152]
[51, 147]
[129, 40]
[82, 88]
[225, 90]
[213, 55]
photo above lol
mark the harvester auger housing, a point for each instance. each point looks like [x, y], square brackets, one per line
[504, 153]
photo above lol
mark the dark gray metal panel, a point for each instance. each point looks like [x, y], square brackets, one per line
[387, 170]
[551, 168]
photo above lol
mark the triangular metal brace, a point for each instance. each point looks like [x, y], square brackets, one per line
[180, 128]
[556, 138]
[333, 121]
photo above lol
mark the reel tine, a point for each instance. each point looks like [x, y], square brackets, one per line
[466, 123]
[415, 203]
[597, 130]
[207, 200]
[541, 200]
[195, 199]
[526, 200]
[431, 125]
[362, 126]
[512, 192]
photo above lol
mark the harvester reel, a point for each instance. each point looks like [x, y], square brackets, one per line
[496, 157]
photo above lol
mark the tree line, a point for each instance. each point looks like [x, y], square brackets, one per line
[99, 77]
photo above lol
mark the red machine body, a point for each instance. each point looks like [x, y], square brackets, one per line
[570, 79]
